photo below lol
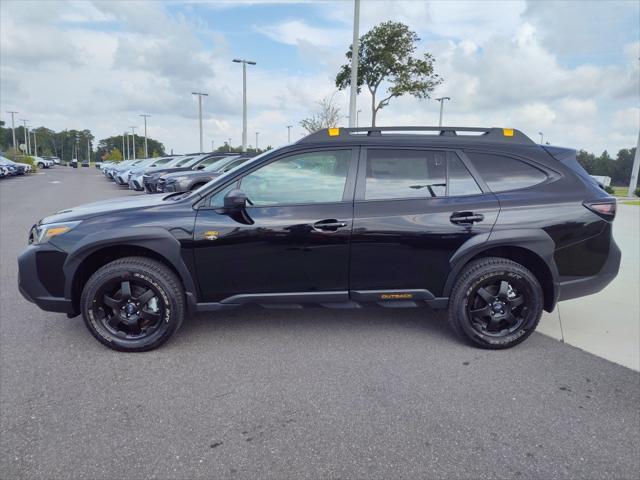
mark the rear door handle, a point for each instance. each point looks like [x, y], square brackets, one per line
[329, 225]
[466, 218]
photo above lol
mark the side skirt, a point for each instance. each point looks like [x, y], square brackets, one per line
[337, 300]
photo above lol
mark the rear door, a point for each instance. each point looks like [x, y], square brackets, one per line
[413, 209]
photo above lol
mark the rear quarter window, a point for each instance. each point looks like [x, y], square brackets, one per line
[502, 173]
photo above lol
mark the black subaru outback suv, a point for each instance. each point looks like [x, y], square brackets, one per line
[483, 221]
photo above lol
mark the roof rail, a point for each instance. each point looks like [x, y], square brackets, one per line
[493, 134]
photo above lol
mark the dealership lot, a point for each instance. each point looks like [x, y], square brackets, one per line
[254, 393]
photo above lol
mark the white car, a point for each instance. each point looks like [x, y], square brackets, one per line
[43, 162]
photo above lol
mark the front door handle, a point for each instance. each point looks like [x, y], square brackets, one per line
[329, 225]
[466, 218]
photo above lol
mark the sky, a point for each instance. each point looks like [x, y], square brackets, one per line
[568, 69]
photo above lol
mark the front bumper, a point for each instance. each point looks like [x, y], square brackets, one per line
[583, 286]
[44, 292]
[135, 183]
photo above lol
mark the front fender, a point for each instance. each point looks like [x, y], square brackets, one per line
[156, 239]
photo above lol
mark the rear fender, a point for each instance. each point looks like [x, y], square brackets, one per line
[535, 240]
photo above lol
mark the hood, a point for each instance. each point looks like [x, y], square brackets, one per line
[114, 205]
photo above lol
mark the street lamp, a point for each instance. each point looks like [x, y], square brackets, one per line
[441, 100]
[133, 136]
[128, 155]
[358, 117]
[124, 152]
[257, 133]
[146, 150]
[244, 99]
[354, 63]
[289, 133]
[541, 138]
[27, 143]
[200, 95]
[212, 145]
[35, 143]
[13, 129]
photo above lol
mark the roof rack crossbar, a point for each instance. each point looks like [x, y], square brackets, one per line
[491, 134]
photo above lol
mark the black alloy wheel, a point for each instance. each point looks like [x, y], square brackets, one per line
[133, 304]
[495, 303]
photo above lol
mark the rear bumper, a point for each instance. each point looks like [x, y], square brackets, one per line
[31, 286]
[583, 286]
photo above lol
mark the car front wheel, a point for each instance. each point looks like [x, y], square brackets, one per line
[496, 303]
[133, 304]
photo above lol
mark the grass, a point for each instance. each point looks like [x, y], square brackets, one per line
[632, 202]
[620, 191]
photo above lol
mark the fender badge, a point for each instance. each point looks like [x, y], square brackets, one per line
[211, 235]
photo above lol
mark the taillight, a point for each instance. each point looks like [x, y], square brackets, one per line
[606, 210]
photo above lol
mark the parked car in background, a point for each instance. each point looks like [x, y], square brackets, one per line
[136, 173]
[85, 163]
[73, 163]
[122, 174]
[55, 160]
[15, 168]
[43, 162]
[192, 180]
[194, 162]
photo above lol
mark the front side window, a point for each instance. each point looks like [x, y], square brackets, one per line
[505, 173]
[397, 174]
[314, 177]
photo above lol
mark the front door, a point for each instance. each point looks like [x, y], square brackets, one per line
[294, 239]
[413, 209]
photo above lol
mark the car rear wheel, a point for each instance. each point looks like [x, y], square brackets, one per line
[133, 304]
[40, 165]
[496, 303]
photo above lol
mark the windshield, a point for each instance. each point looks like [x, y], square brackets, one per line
[161, 161]
[181, 162]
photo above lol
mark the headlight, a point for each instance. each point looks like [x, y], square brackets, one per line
[43, 233]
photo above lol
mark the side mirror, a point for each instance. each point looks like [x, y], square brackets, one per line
[200, 167]
[236, 200]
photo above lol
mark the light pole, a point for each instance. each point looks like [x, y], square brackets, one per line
[212, 145]
[354, 63]
[35, 143]
[128, 155]
[200, 95]
[244, 99]
[257, 133]
[441, 100]
[133, 136]
[289, 133]
[26, 136]
[146, 150]
[358, 118]
[633, 181]
[124, 152]
[88, 150]
[13, 129]
[541, 138]
[229, 143]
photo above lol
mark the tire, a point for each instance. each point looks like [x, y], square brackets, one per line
[496, 303]
[40, 165]
[138, 317]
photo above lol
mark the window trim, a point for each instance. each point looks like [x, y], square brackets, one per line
[347, 194]
[362, 174]
[550, 174]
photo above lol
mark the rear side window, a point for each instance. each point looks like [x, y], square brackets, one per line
[395, 174]
[505, 173]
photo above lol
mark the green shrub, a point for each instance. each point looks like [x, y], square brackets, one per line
[610, 190]
[29, 161]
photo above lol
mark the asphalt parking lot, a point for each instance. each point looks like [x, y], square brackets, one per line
[313, 393]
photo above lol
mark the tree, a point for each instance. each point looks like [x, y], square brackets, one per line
[385, 57]
[114, 155]
[106, 145]
[327, 116]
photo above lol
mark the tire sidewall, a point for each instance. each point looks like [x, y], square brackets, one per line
[170, 320]
[532, 291]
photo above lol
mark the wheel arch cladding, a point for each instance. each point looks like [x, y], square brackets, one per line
[532, 248]
[95, 250]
